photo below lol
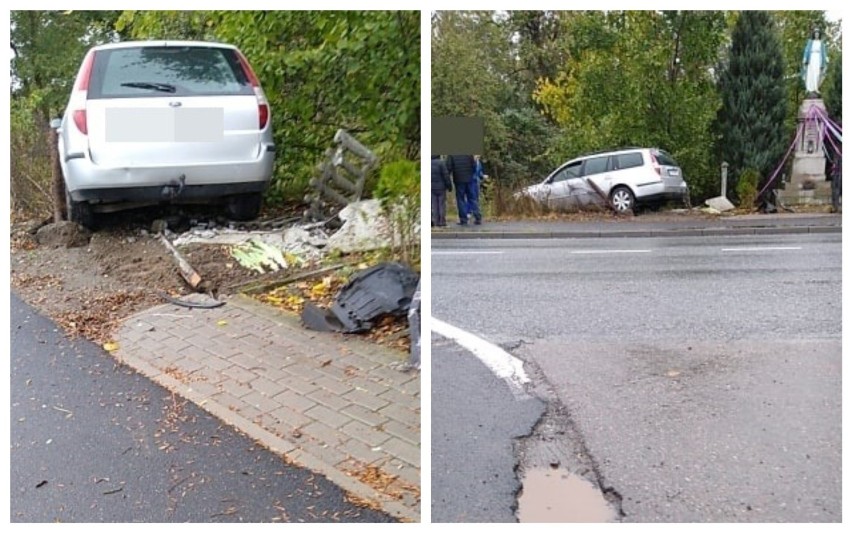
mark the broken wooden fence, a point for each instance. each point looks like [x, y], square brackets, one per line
[341, 177]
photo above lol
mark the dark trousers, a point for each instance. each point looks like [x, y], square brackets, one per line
[467, 200]
[439, 208]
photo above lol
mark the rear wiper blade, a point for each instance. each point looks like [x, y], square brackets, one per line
[163, 87]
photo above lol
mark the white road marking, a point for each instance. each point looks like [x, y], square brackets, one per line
[610, 251]
[468, 252]
[761, 248]
[504, 365]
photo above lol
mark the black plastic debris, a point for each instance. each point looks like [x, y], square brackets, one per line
[385, 289]
[320, 319]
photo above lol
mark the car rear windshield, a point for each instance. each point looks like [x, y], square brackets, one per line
[151, 71]
[665, 159]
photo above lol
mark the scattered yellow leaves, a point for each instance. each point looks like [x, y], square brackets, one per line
[294, 300]
[323, 288]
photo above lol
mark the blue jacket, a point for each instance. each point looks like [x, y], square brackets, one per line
[478, 172]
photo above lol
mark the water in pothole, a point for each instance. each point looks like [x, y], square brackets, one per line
[556, 495]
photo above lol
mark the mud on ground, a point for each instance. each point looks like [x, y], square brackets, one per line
[125, 268]
[121, 271]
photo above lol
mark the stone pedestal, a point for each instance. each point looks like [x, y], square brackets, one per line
[806, 183]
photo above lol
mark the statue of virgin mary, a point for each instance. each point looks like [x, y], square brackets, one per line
[814, 63]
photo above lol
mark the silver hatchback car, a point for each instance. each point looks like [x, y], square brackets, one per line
[623, 178]
[165, 122]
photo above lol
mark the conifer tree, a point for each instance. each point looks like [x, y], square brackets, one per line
[751, 121]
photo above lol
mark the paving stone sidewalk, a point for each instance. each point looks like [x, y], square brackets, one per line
[334, 404]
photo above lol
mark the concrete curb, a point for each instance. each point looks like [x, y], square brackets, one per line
[691, 232]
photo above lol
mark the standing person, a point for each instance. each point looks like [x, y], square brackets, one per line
[441, 183]
[478, 175]
[462, 169]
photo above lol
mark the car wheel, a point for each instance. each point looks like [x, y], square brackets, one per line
[79, 212]
[244, 206]
[622, 199]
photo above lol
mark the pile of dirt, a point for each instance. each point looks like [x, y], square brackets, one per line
[90, 289]
[220, 272]
[135, 261]
[63, 234]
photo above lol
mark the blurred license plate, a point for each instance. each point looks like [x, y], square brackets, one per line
[125, 124]
[674, 172]
[199, 124]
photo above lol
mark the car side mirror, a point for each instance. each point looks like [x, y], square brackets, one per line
[56, 123]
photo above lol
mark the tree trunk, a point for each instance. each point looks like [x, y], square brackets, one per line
[59, 213]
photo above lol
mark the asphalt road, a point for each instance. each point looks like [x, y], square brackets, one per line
[703, 374]
[92, 441]
[474, 422]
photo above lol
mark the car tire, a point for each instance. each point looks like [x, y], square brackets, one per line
[79, 212]
[622, 199]
[244, 206]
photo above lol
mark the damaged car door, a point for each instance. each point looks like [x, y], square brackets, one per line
[559, 191]
[595, 183]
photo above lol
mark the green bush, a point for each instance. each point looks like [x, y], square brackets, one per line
[398, 190]
[747, 188]
[399, 178]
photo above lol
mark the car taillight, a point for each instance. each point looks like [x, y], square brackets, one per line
[80, 121]
[263, 114]
[262, 105]
[656, 165]
[85, 72]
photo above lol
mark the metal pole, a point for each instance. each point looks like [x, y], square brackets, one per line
[724, 179]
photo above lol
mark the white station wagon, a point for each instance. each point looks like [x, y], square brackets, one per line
[165, 122]
[624, 178]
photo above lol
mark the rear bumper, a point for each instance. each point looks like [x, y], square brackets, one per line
[158, 194]
[660, 191]
[87, 181]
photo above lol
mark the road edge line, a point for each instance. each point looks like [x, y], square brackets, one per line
[500, 362]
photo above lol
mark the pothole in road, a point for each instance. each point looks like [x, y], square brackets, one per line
[556, 495]
[559, 479]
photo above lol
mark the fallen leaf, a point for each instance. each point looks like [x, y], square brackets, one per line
[222, 323]
[110, 346]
